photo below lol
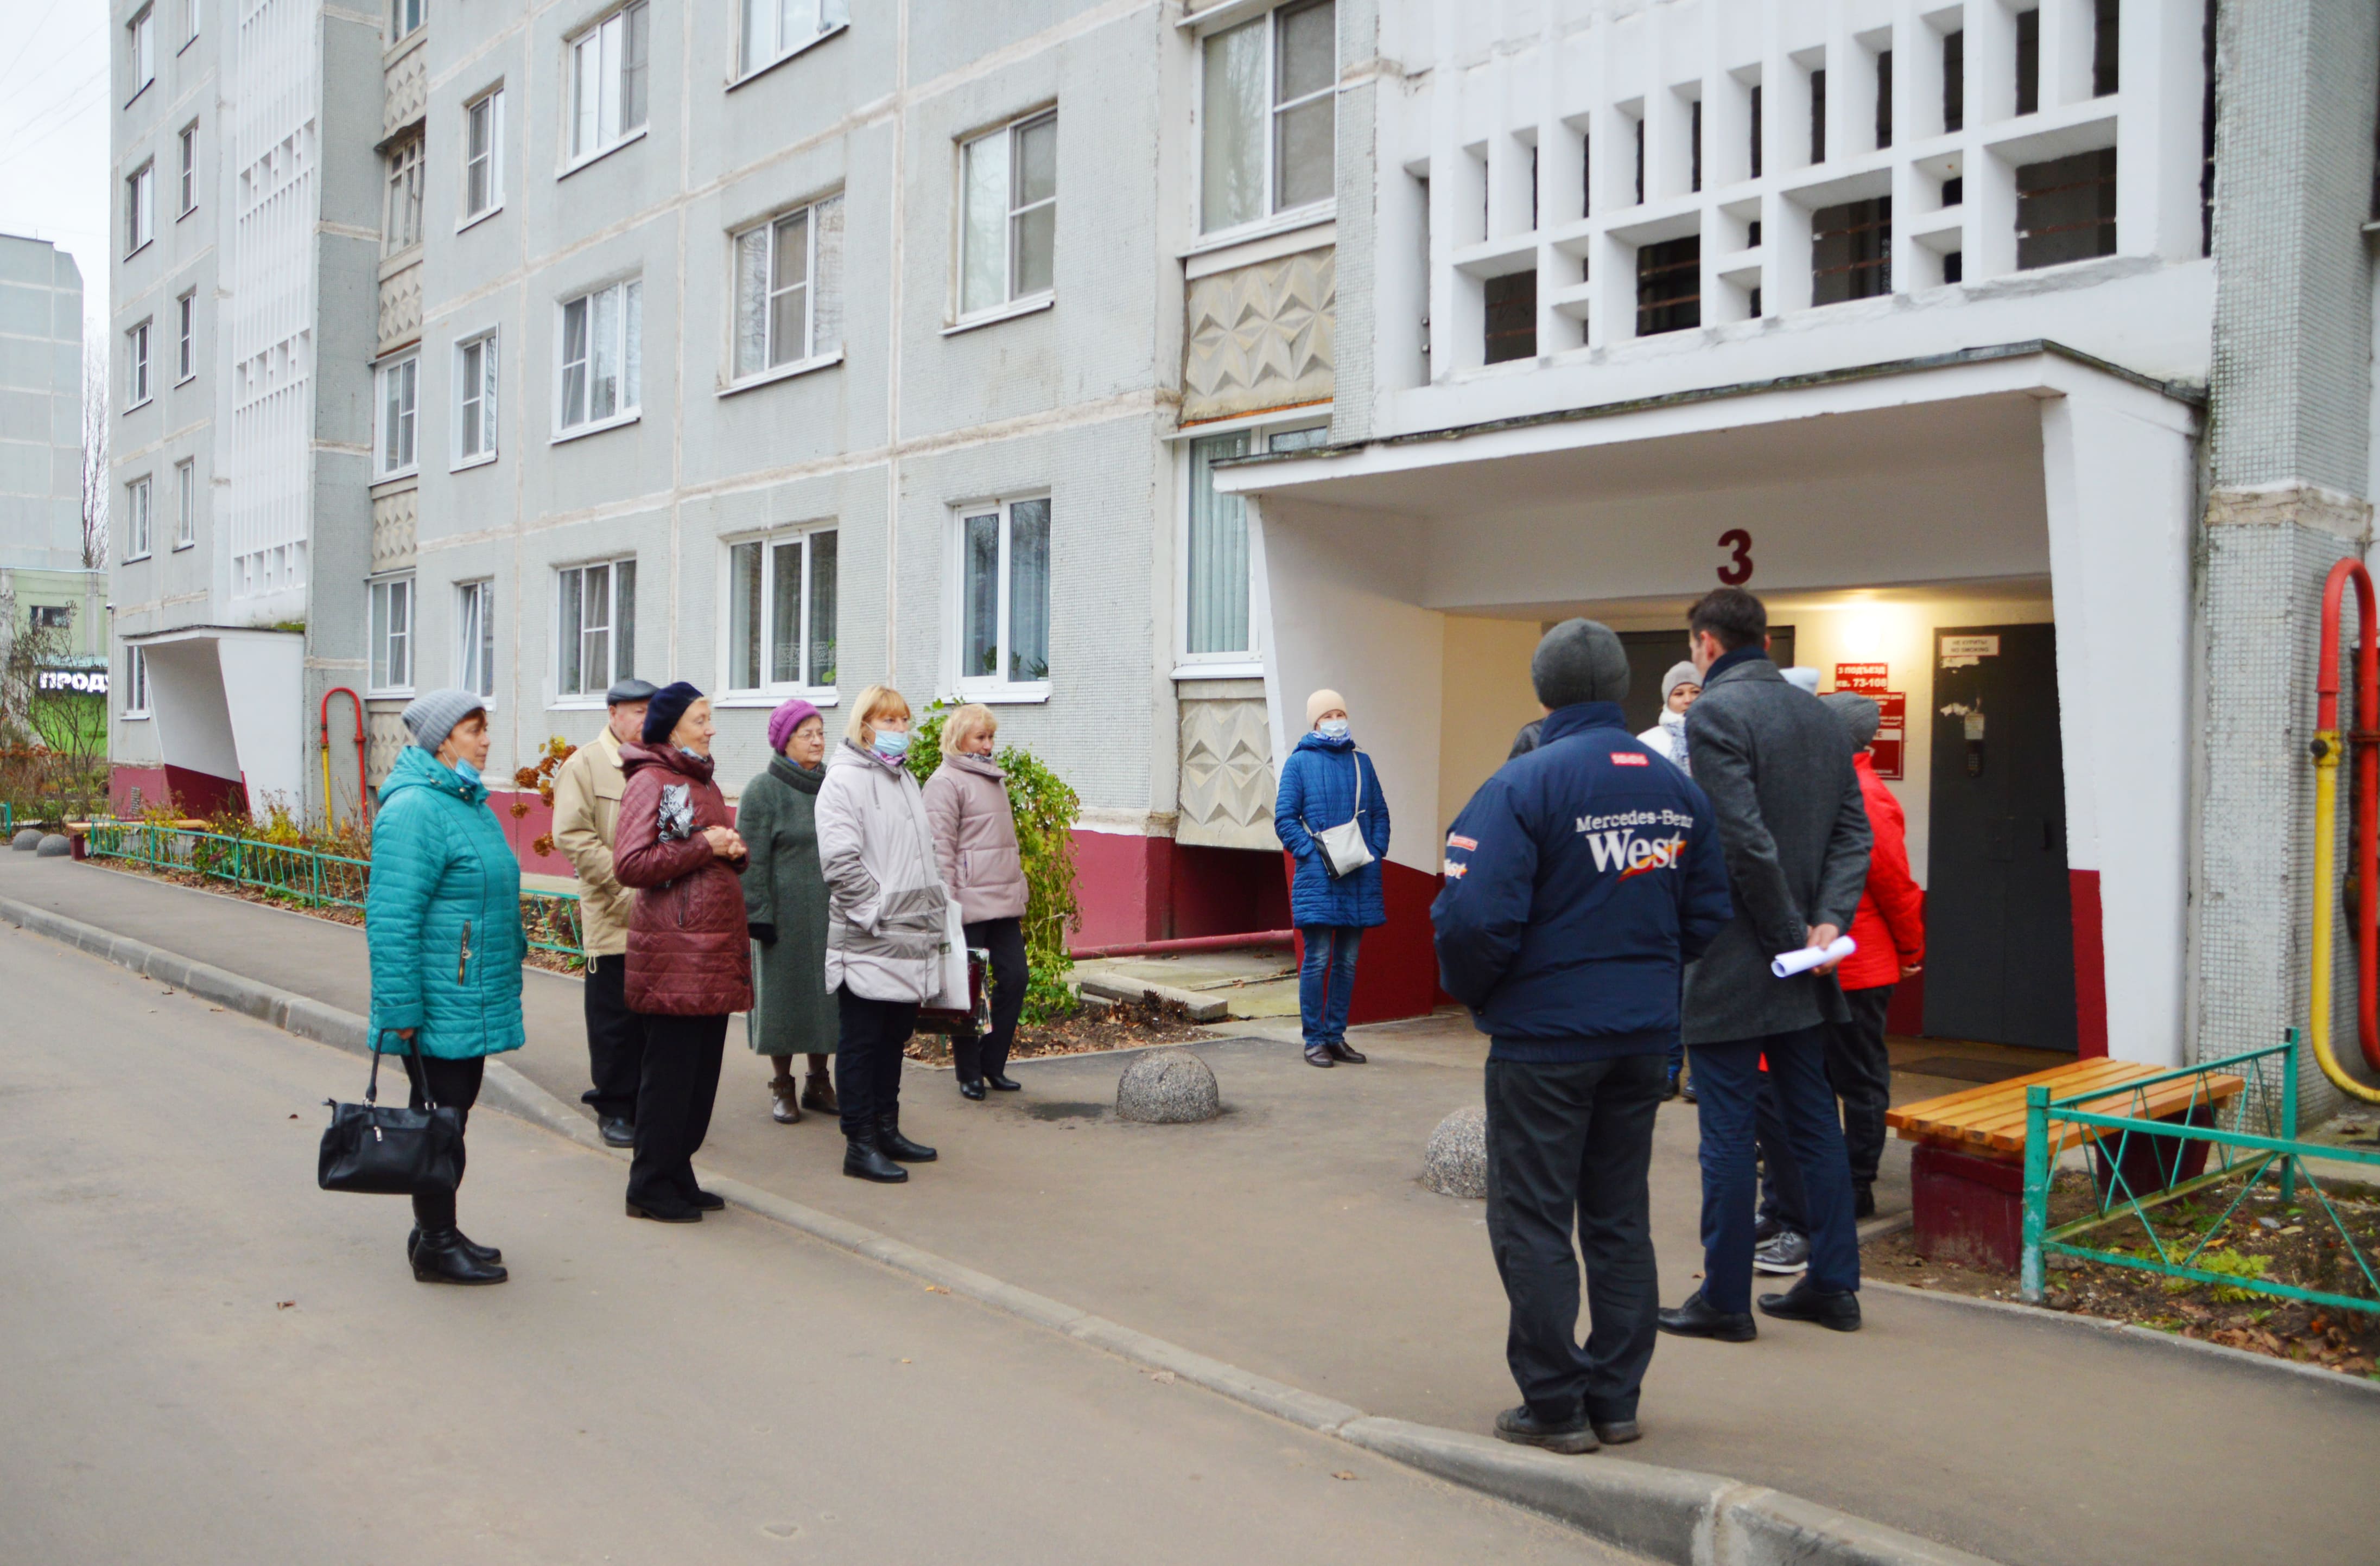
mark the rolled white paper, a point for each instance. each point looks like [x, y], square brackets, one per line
[1788, 964]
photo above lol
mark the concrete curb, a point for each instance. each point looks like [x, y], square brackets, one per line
[1672, 1515]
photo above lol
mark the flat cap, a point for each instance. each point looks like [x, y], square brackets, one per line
[630, 689]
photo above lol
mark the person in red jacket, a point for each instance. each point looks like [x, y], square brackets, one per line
[1889, 931]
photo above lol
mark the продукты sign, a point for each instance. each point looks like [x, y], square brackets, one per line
[92, 682]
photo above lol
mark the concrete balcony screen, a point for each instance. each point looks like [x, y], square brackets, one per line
[780, 613]
[1009, 231]
[1268, 115]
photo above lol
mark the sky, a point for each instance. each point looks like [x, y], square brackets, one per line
[54, 129]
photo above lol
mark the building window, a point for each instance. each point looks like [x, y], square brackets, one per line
[781, 600]
[136, 519]
[1756, 130]
[1669, 286]
[404, 17]
[595, 628]
[2066, 210]
[190, 13]
[1954, 80]
[1004, 597]
[140, 208]
[1009, 228]
[1269, 127]
[392, 635]
[609, 67]
[600, 364]
[1850, 251]
[1512, 316]
[186, 503]
[136, 364]
[1818, 115]
[2028, 62]
[1217, 621]
[1883, 98]
[789, 288]
[774, 29]
[136, 682]
[140, 44]
[399, 405]
[475, 651]
[2105, 41]
[190, 168]
[403, 228]
[475, 400]
[186, 348]
[50, 617]
[483, 151]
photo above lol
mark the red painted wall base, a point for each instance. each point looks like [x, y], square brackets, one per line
[2090, 966]
[131, 790]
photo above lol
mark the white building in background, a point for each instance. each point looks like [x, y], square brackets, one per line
[43, 584]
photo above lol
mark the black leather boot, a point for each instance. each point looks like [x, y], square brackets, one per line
[485, 1253]
[1001, 1082]
[862, 1160]
[1695, 1318]
[893, 1145]
[971, 1088]
[441, 1258]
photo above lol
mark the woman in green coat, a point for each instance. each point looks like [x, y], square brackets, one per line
[442, 922]
[784, 902]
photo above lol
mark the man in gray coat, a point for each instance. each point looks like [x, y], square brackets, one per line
[1795, 833]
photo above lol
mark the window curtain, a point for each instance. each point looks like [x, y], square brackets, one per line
[752, 302]
[984, 250]
[826, 283]
[1232, 131]
[821, 621]
[1028, 591]
[786, 613]
[980, 652]
[744, 617]
[1219, 553]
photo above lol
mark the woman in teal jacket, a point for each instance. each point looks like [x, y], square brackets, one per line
[443, 923]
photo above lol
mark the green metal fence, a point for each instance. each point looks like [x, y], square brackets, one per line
[2247, 1141]
[304, 878]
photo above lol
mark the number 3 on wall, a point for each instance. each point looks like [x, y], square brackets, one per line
[1738, 569]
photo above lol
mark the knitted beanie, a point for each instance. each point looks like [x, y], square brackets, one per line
[1679, 674]
[669, 704]
[432, 715]
[790, 715]
[1580, 661]
[1323, 701]
[1860, 714]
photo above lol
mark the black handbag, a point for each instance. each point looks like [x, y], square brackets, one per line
[392, 1152]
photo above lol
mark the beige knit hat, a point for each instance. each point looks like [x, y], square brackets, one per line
[1323, 701]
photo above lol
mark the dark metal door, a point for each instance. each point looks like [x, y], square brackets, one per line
[2000, 923]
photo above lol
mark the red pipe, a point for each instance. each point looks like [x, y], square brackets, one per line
[1187, 943]
[364, 793]
[2365, 746]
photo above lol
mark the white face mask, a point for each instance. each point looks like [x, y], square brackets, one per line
[1333, 728]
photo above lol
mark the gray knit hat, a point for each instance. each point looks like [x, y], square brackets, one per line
[1580, 661]
[1679, 674]
[434, 715]
[1860, 714]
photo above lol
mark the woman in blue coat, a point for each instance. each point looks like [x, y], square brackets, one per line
[443, 923]
[1327, 783]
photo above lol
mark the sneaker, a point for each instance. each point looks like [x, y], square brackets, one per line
[1686, 1090]
[1787, 1251]
[1670, 1088]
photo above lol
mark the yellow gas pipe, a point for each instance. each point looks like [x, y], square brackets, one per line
[2367, 828]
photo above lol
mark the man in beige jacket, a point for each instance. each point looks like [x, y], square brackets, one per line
[586, 824]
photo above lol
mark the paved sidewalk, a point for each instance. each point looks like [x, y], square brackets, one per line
[1292, 1239]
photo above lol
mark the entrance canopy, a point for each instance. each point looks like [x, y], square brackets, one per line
[227, 703]
[1868, 507]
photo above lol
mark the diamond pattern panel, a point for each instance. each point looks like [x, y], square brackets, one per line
[1227, 782]
[394, 517]
[400, 308]
[1261, 336]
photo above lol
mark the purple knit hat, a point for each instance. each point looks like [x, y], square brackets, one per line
[789, 716]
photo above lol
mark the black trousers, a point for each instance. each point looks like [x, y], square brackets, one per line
[1859, 1068]
[455, 1083]
[1005, 939]
[674, 1102]
[615, 1040]
[867, 1059]
[1572, 1143]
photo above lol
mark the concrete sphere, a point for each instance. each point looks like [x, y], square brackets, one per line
[1168, 1087]
[57, 845]
[27, 839]
[1456, 1162]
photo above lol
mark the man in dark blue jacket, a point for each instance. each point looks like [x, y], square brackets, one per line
[1580, 879]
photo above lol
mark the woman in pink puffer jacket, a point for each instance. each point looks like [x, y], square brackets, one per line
[975, 844]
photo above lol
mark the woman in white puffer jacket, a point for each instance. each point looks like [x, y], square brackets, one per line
[1679, 686]
[886, 906]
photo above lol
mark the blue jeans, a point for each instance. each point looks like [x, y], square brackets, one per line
[1325, 981]
[1727, 1077]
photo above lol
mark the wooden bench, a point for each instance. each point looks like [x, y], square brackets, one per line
[1967, 1174]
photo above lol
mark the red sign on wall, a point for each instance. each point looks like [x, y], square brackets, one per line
[1888, 751]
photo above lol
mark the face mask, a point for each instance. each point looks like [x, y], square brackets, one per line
[1334, 728]
[892, 743]
[465, 770]
[681, 750]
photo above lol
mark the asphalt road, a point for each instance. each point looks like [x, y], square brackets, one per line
[205, 1359]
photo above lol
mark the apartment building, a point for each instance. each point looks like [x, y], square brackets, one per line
[43, 583]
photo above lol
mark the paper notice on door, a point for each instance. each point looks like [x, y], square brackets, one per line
[1965, 652]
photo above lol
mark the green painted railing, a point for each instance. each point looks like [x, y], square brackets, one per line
[305, 877]
[2251, 1139]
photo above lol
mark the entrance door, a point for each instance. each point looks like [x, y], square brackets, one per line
[1999, 925]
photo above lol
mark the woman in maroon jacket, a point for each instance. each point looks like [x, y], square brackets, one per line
[689, 955]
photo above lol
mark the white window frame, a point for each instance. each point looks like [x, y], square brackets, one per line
[140, 371]
[618, 628]
[186, 337]
[141, 49]
[627, 314]
[140, 518]
[189, 145]
[401, 219]
[489, 161]
[140, 208]
[392, 617]
[405, 18]
[1012, 301]
[598, 57]
[1265, 433]
[791, 26]
[475, 639]
[996, 687]
[1271, 213]
[396, 433]
[192, 11]
[768, 691]
[819, 260]
[185, 503]
[136, 682]
[477, 399]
